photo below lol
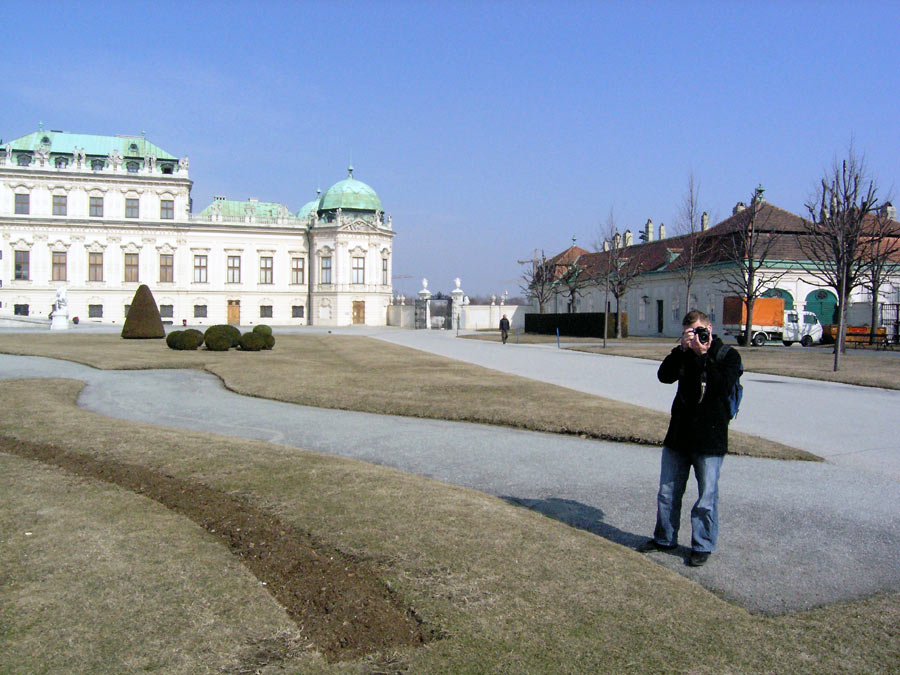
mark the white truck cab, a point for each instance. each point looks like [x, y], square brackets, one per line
[802, 327]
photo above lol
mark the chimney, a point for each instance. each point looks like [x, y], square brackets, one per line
[606, 244]
[740, 206]
[629, 239]
[704, 222]
[617, 241]
[662, 231]
[889, 210]
[648, 230]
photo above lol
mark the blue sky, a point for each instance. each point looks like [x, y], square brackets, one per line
[488, 129]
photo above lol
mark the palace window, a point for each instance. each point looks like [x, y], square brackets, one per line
[23, 264]
[132, 167]
[384, 272]
[265, 270]
[127, 309]
[359, 270]
[23, 160]
[325, 271]
[166, 267]
[200, 269]
[265, 311]
[23, 203]
[20, 310]
[59, 266]
[297, 311]
[166, 311]
[233, 273]
[96, 207]
[167, 209]
[298, 273]
[95, 311]
[199, 311]
[95, 267]
[61, 162]
[97, 164]
[60, 205]
[131, 267]
[132, 207]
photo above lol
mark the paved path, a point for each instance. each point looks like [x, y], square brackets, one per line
[793, 534]
[856, 427]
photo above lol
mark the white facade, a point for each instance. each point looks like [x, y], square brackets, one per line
[101, 221]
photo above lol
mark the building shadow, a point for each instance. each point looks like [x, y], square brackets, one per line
[579, 515]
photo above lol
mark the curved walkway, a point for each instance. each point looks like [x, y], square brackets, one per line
[794, 534]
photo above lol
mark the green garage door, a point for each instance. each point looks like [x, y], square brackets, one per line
[824, 304]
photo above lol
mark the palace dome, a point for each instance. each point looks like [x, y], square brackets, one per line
[350, 194]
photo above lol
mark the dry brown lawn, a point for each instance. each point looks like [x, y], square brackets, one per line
[96, 578]
[351, 373]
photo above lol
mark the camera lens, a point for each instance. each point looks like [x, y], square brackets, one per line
[702, 335]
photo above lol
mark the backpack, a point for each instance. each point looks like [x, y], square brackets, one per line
[737, 392]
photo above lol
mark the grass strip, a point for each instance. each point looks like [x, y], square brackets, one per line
[359, 373]
[340, 604]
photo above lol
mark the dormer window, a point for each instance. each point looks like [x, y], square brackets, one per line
[61, 162]
[97, 165]
[133, 149]
[133, 167]
[23, 160]
[167, 169]
[45, 140]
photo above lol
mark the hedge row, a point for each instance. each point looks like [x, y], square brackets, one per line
[221, 338]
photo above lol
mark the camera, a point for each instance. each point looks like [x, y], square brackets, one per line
[702, 334]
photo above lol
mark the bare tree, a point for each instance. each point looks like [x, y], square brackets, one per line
[573, 278]
[882, 243]
[618, 268]
[688, 224]
[748, 247]
[834, 242]
[538, 278]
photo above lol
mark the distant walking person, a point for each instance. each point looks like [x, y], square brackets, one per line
[504, 329]
[706, 371]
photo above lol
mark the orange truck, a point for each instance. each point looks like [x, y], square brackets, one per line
[771, 321]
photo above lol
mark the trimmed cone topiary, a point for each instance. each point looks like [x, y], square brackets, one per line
[252, 342]
[143, 320]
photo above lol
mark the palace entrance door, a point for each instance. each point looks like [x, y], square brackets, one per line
[234, 312]
[359, 311]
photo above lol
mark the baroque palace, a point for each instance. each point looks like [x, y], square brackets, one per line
[100, 215]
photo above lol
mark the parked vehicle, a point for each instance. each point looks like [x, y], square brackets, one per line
[770, 322]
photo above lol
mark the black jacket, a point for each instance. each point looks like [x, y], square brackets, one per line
[700, 415]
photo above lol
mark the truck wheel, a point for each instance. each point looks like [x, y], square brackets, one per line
[806, 341]
[759, 339]
[786, 343]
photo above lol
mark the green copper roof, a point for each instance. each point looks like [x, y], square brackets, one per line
[230, 209]
[65, 142]
[309, 207]
[350, 194]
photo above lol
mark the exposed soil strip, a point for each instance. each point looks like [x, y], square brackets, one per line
[339, 604]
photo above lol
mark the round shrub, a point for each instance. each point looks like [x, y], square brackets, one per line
[270, 341]
[263, 329]
[217, 341]
[232, 334]
[252, 342]
[191, 338]
[172, 339]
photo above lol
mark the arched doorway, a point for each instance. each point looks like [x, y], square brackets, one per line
[824, 304]
[780, 293]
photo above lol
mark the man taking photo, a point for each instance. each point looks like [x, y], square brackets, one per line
[706, 371]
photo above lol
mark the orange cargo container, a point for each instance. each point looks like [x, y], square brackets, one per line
[766, 312]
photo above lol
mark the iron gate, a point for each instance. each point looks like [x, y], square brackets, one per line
[441, 313]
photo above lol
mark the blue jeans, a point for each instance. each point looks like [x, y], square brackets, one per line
[674, 471]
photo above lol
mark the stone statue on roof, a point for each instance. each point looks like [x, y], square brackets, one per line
[115, 159]
[8, 154]
[183, 163]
